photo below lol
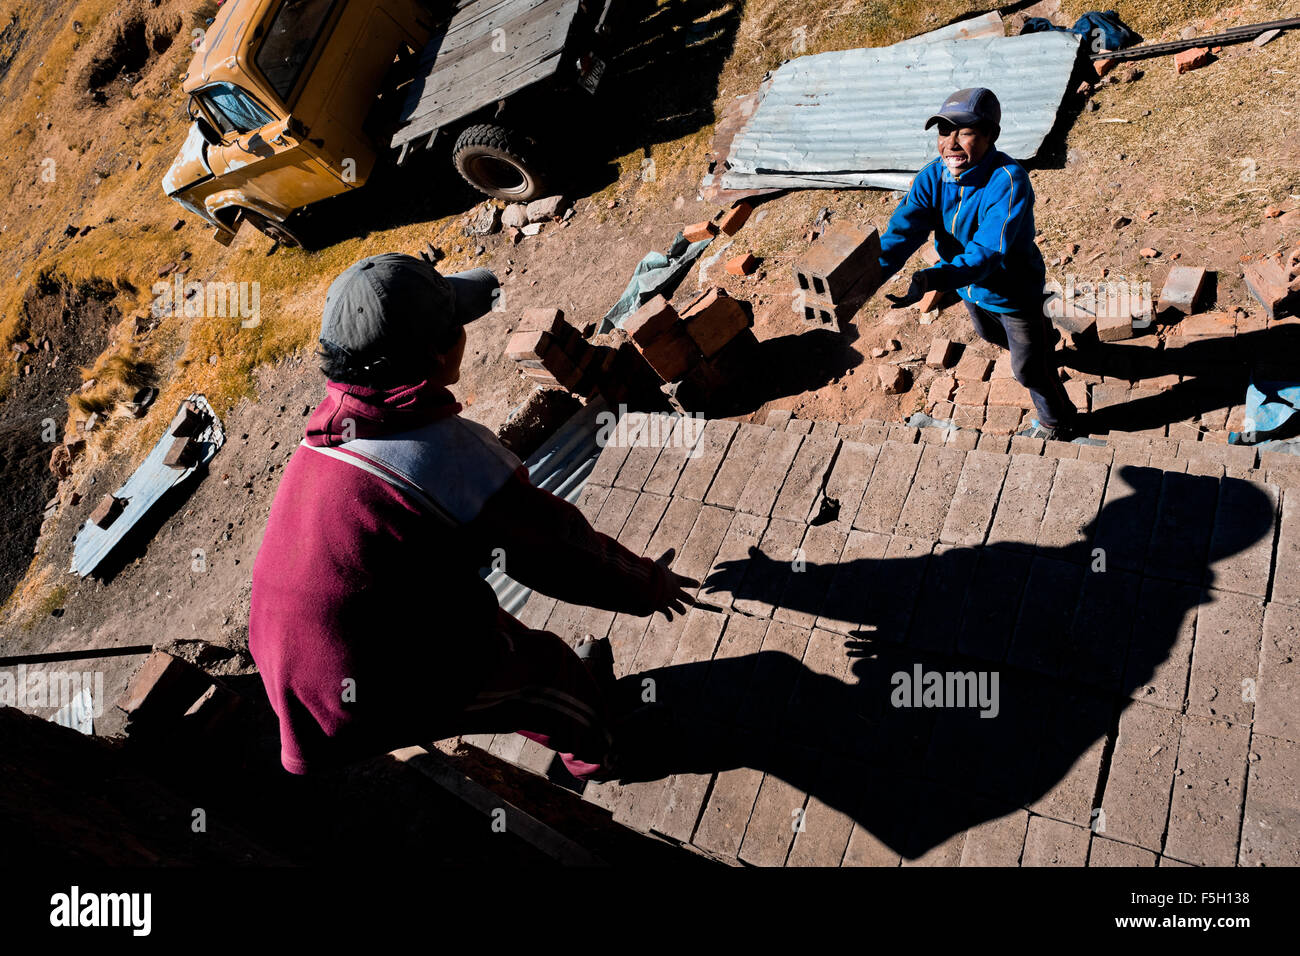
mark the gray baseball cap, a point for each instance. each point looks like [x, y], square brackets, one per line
[969, 107]
[386, 306]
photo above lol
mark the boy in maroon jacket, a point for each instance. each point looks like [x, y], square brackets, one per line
[369, 621]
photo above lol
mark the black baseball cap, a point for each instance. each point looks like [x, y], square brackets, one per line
[390, 305]
[970, 107]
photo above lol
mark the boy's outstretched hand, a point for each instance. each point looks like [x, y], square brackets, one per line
[915, 291]
[680, 588]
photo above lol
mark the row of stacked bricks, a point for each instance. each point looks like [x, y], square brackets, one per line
[844, 262]
[702, 348]
[551, 352]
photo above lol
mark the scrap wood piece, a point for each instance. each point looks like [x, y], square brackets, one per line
[148, 483]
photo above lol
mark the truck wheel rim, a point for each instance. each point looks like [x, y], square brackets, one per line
[497, 174]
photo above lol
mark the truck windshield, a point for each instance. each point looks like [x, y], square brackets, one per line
[294, 31]
[232, 108]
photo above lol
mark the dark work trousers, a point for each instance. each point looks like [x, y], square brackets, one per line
[1028, 337]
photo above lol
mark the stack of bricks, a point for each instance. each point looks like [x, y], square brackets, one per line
[842, 264]
[697, 352]
[551, 352]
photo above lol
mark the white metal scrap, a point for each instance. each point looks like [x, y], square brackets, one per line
[856, 118]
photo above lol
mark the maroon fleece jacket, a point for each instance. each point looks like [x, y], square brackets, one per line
[368, 617]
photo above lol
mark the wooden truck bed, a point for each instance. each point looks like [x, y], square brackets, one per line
[460, 72]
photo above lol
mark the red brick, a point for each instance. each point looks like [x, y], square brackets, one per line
[1286, 573]
[742, 454]
[671, 354]
[529, 347]
[1193, 59]
[1272, 813]
[1023, 501]
[542, 320]
[183, 453]
[108, 509]
[1053, 843]
[888, 488]
[652, 320]
[1114, 328]
[1226, 653]
[975, 499]
[933, 487]
[1267, 282]
[1277, 707]
[997, 842]
[802, 486]
[189, 421]
[699, 231]
[729, 222]
[1113, 853]
[702, 464]
[943, 354]
[893, 379]
[1008, 392]
[1206, 806]
[930, 301]
[972, 368]
[714, 319]
[164, 685]
[742, 265]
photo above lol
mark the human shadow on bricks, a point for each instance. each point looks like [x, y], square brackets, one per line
[1215, 373]
[1038, 652]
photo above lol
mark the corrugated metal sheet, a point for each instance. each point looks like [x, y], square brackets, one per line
[560, 466]
[845, 118]
[143, 489]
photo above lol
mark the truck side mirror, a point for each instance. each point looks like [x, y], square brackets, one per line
[207, 131]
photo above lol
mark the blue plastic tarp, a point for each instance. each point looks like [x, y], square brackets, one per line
[659, 273]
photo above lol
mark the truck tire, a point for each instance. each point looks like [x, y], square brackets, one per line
[494, 161]
[281, 232]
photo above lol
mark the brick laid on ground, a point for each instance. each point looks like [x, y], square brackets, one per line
[1053, 843]
[992, 604]
[996, 842]
[1226, 653]
[1161, 650]
[975, 498]
[843, 609]
[1180, 539]
[827, 821]
[767, 474]
[643, 454]
[674, 455]
[947, 576]
[803, 481]
[1072, 508]
[1113, 853]
[702, 466]
[722, 825]
[642, 522]
[1022, 502]
[1127, 514]
[1051, 593]
[849, 478]
[773, 680]
[778, 808]
[1098, 641]
[616, 450]
[1071, 797]
[1207, 796]
[931, 494]
[737, 467]
[805, 591]
[1272, 815]
[731, 562]
[1286, 567]
[674, 527]
[1241, 545]
[887, 490]
[702, 544]
[770, 572]
[1277, 706]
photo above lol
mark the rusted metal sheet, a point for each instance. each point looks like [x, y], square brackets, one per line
[489, 50]
[145, 488]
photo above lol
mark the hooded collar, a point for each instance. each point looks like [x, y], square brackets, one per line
[376, 412]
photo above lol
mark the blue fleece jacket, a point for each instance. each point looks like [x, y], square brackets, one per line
[983, 225]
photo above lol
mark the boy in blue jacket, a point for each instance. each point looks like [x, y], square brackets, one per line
[979, 205]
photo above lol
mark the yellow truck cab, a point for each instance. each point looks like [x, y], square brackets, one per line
[291, 101]
[280, 92]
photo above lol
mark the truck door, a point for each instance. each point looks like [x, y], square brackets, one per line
[260, 154]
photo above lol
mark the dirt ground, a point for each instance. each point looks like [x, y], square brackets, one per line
[113, 122]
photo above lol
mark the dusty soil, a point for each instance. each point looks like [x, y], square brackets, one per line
[1184, 160]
